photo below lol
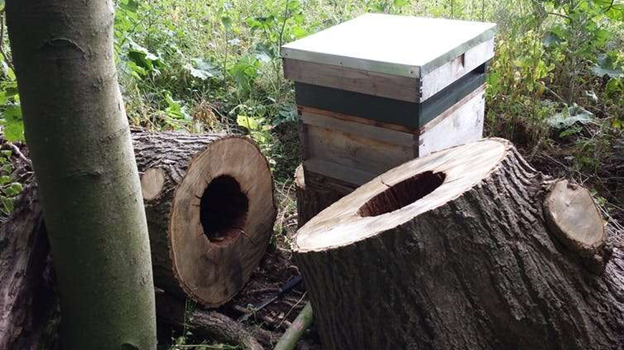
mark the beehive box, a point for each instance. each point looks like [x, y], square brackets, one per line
[379, 90]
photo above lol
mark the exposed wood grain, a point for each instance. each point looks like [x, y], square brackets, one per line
[440, 78]
[463, 125]
[408, 89]
[354, 119]
[574, 220]
[363, 130]
[351, 79]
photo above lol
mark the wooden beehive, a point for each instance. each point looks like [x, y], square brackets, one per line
[380, 90]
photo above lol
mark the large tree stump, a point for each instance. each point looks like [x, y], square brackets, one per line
[210, 210]
[457, 250]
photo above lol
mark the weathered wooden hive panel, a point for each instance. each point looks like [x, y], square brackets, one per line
[379, 90]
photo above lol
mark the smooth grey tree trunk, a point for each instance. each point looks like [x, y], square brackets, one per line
[83, 159]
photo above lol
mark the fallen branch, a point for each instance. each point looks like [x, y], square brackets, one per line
[206, 324]
[296, 330]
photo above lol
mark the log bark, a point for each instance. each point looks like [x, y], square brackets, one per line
[28, 302]
[454, 251]
[210, 210]
[316, 192]
[80, 146]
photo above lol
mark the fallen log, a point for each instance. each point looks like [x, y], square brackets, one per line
[28, 305]
[468, 248]
[28, 302]
[210, 210]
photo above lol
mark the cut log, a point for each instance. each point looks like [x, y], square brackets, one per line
[210, 210]
[455, 251]
[316, 192]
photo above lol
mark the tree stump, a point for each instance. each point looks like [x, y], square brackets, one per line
[459, 250]
[210, 210]
[316, 192]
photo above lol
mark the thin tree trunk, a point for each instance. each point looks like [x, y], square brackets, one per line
[468, 248]
[82, 155]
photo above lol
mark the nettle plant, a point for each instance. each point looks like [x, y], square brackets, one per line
[581, 39]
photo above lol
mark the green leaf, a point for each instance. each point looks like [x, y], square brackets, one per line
[14, 189]
[227, 22]
[13, 124]
[130, 5]
[615, 86]
[5, 179]
[175, 109]
[570, 116]
[249, 123]
[203, 70]
[7, 203]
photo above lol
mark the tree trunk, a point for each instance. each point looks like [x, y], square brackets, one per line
[315, 193]
[82, 155]
[210, 210]
[456, 251]
[27, 302]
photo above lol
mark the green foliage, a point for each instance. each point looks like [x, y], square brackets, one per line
[10, 110]
[9, 188]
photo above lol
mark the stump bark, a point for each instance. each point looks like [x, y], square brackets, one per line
[210, 210]
[316, 192]
[455, 251]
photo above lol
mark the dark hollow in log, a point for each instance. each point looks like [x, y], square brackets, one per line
[465, 260]
[210, 210]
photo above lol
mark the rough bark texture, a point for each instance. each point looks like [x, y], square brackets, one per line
[82, 155]
[187, 263]
[27, 300]
[479, 272]
[154, 151]
[315, 193]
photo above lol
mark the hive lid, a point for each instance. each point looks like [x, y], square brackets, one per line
[397, 45]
